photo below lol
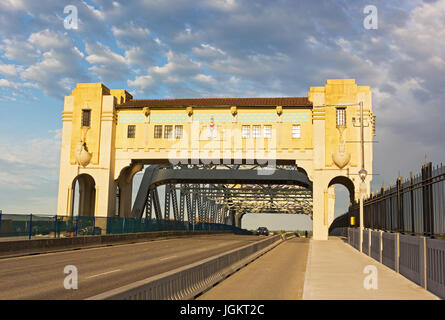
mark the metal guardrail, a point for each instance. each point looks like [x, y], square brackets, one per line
[435, 266]
[376, 245]
[366, 241]
[32, 226]
[188, 281]
[390, 243]
[411, 217]
[413, 206]
[411, 258]
[419, 259]
[356, 239]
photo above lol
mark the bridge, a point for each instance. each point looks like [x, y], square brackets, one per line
[212, 161]
[222, 157]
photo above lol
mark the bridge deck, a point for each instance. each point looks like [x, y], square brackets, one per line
[278, 275]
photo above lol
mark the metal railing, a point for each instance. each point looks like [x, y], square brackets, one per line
[418, 258]
[32, 226]
[413, 206]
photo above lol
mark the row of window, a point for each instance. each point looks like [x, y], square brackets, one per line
[247, 131]
[256, 130]
[267, 131]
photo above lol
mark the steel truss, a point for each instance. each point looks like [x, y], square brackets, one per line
[213, 202]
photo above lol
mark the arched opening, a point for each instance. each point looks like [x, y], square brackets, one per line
[124, 190]
[341, 194]
[84, 196]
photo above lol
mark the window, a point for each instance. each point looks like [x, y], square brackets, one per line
[86, 117]
[158, 132]
[245, 131]
[179, 132]
[341, 117]
[256, 131]
[168, 132]
[131, 131]
[296, 131]
[267, 132]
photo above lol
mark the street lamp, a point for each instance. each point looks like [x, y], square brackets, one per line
[362, 174]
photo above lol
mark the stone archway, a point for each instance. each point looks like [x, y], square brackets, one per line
[348, 184]
[86, 200]
[124, 188]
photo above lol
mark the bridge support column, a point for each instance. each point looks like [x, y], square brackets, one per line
[331, 204]
[125, 184]
[231, 218]
[238, 219]
[320, 223]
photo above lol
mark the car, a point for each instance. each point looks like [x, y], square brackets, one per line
[262, 231]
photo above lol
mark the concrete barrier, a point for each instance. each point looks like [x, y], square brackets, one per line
[356, 238]
[376, 245]
[366, 242]
[11, 248]
[390, 250]
[188, 281]
[419, 259]
[412, 258]
[435, 266]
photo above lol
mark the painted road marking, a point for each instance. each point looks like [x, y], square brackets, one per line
[171, 257]
[101, 274]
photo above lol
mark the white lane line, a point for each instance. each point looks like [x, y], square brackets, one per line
[101, 274]
[171, 257]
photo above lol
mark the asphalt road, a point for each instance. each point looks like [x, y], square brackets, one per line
[277, 275]
[105, 268]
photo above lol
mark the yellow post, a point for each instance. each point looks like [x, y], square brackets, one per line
[352, 221]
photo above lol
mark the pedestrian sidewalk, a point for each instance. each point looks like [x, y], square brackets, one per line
[335, 270]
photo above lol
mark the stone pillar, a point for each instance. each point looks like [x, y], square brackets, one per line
[320, 210]
[65, 195]
[105, 184]
[238, 219]
[331, 204]
[125, 183]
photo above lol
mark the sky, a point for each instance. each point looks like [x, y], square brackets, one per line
[211, 48]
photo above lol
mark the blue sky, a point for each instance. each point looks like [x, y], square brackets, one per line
[210, 48]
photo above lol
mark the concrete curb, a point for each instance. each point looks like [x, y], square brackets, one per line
[307, 272]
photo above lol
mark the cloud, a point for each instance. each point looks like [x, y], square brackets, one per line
[142, 82]
[10, 70]
[107, 65]
[141, 49]
[28, 164]
[48, 60]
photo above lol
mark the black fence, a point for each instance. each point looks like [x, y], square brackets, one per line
[415, 206]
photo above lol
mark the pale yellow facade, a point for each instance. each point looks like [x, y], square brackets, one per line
[304, 135]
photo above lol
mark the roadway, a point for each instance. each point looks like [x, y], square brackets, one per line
[105, 268]
[277, 275]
